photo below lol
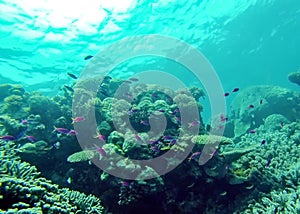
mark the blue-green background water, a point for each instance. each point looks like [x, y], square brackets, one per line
[247, 42]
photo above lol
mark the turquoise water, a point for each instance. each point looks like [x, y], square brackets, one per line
[249, 43]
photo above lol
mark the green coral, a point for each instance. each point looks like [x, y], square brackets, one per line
[10, 89]
[81, 156]
[211, 139]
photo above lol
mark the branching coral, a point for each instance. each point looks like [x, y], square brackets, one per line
[22, 189]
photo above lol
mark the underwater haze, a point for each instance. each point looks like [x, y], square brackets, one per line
[146, 106]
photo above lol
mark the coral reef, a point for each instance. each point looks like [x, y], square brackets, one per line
[294, 77]
[252, 105]
[257, 171]
[23, 190]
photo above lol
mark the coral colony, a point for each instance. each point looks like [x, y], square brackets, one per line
[254, 169]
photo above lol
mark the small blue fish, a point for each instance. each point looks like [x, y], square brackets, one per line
[268, 162]
[72, 75]
[88, 57]
[69, 88]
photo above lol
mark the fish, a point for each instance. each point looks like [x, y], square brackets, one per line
[133, 79]
[132, 111]
[127, 81]
[69, 180]
[145, 122]
[260, 101]
[72, 75]
[195, 154]
[61, 130]
[154, 95]
[56, 145]
[226, 94]
[223, 118]
[194, 123]
[214, 153]
[252, 131]
[137, 137]
[77, 119]
[175, 111]
[24, 121]
[281, 124]
[31, 138]
[69, 88]
[107, 79]
[88, 57]
[235, 90]
[168, 137]
[251, 106]
[165, 148]
[7, 138]
[155, 148]
[263, 142]
[101, 151]
[268, 162]
[100, 136]
[172, 142]
[72, 132]
[249, 187]
[223, 193]
[124, 183]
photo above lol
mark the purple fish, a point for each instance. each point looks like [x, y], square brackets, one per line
[145, 122]
[7, 138]
[61, 130]
[268, 162]
[195, 154]
[176, 111]
[194, 123]
[172, 142]
[168, 137]
[263, 142]
[155, 148]
[124, 183]
[137, 137]
[152, 142]
[72, 132]
[31, 138]
[252, 131]
[24, 122]
[101, 151]
[226, 94]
